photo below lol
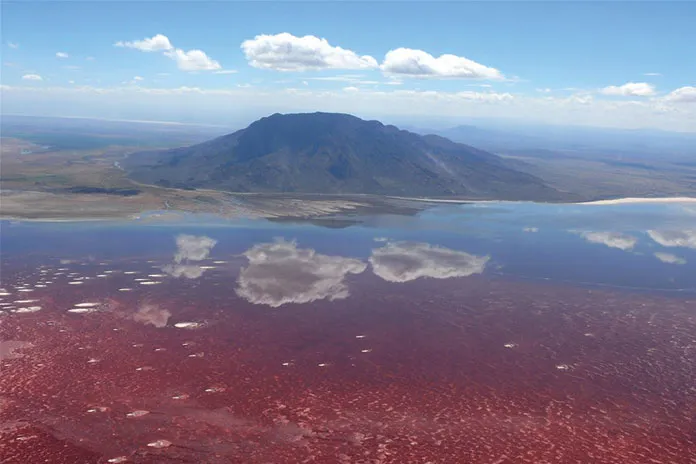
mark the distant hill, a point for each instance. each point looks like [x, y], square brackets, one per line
[557, 142]
[337, 153]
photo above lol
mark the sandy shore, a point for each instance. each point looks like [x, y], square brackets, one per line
[615, 201]
[50, 207]
[622, 201]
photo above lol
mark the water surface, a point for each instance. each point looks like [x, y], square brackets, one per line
[493, 332]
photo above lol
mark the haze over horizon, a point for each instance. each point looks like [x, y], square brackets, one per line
[587, 64]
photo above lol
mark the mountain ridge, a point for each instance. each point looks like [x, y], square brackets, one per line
[337, 153]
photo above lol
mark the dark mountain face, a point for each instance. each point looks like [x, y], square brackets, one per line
[337, 153]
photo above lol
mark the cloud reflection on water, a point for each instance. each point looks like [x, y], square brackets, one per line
[611, 239]
[280, 273]
[406, 261]
[193, 247]
[674, 238]
[149, 313]
[669, 258]
[189, 248]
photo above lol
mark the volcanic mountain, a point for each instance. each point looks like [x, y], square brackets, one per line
[337, 154]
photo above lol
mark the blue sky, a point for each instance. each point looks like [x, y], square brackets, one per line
[595, 63]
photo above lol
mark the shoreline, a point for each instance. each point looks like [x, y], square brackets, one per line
[134, 216]
[638, 200]
[614, 201]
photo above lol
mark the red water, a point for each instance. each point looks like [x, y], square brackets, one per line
[395, 373]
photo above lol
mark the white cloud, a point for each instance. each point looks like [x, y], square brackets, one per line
[225, 71]
[62, 55]
[354, 80]
[135, 81]
[156, 43]
[669, 258]
[285, 52]
[341, 78]
[13, 45]
[630, 89]
[682, 95]
[404, 261]
[652, 74]
[417, 63]
[164, 103]
[32, 77]
[484, 96]
[193, 60]
[611, 239]
[279, 273]
[351, 89]
[674, 238]
[71, 82]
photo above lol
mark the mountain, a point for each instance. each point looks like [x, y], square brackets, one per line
[337, 153]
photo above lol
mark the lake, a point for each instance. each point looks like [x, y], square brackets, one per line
[479, 333]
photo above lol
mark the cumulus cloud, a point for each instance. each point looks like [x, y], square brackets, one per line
[152, 314]
[192, 60]
[286, 52]
[62, 55]
[417, 63]
[32, 77]
[404, 261]
[189, 248]
[156, 43]
[682, 95]
[630, 89]
[138, 78]
[669, 258]
[280, 273]
[674, 238]
[611, 239]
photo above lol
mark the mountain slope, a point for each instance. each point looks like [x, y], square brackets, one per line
[337, 153]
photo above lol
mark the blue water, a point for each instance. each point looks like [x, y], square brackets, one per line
[613, 245]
